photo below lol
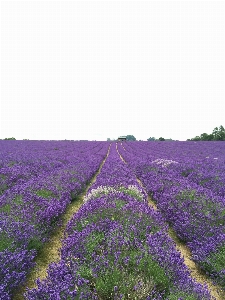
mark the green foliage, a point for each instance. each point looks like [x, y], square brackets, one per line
[152, 271]
[34, 243]
[6, 242]
[105, 285]
[3, 187]
[130, 192]
[215, 262]
[218, 134]
[206, 137]
[18, 200]
[120, 204]
[85, 272]
[161, 139]
[148, 271]
[74, 179]
[45, 193]
[130, 138]
[186, 172]
[6, 208]
[151, 139]
[11, 163]
[181, 295]
[94, 241]
[197, 138]
[218, 259]
[12, 138]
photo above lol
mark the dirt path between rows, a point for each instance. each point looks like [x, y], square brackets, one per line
[51, 250]
[195, 271]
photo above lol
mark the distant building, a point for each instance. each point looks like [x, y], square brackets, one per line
[122, 138]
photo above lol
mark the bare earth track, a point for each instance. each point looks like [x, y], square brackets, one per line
[195, 271]
[51, 250]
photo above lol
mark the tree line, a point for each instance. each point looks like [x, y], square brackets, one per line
[161, 139]
[218, 134]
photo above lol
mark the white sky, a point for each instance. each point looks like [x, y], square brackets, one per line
[99, 69]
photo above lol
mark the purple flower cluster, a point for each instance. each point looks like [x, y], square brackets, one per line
[117, 247]
[38, 180]
[187, 180]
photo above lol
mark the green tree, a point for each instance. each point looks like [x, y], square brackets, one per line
[130, 138]
[161, 139]
[215, 133]
[12, 138]
[218, 134]
[206, 137]
[151, 139]
[197, 138]
[221, 135]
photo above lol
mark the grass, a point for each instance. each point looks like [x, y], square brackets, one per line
[6, 242]
[123, 277]
[3, 187]
[74, 180]
[18, 200]
[215, 263]
[35, 243]
[181, 295]
[6, 208]
[120, 204]
[11, 163]
[3, 176]
[44, 193]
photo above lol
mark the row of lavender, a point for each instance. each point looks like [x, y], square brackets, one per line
[187, 180]
[38, 179]
[117, 247]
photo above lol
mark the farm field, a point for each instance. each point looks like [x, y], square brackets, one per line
[118, 244]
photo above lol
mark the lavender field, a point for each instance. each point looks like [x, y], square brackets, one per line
[118, 245]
